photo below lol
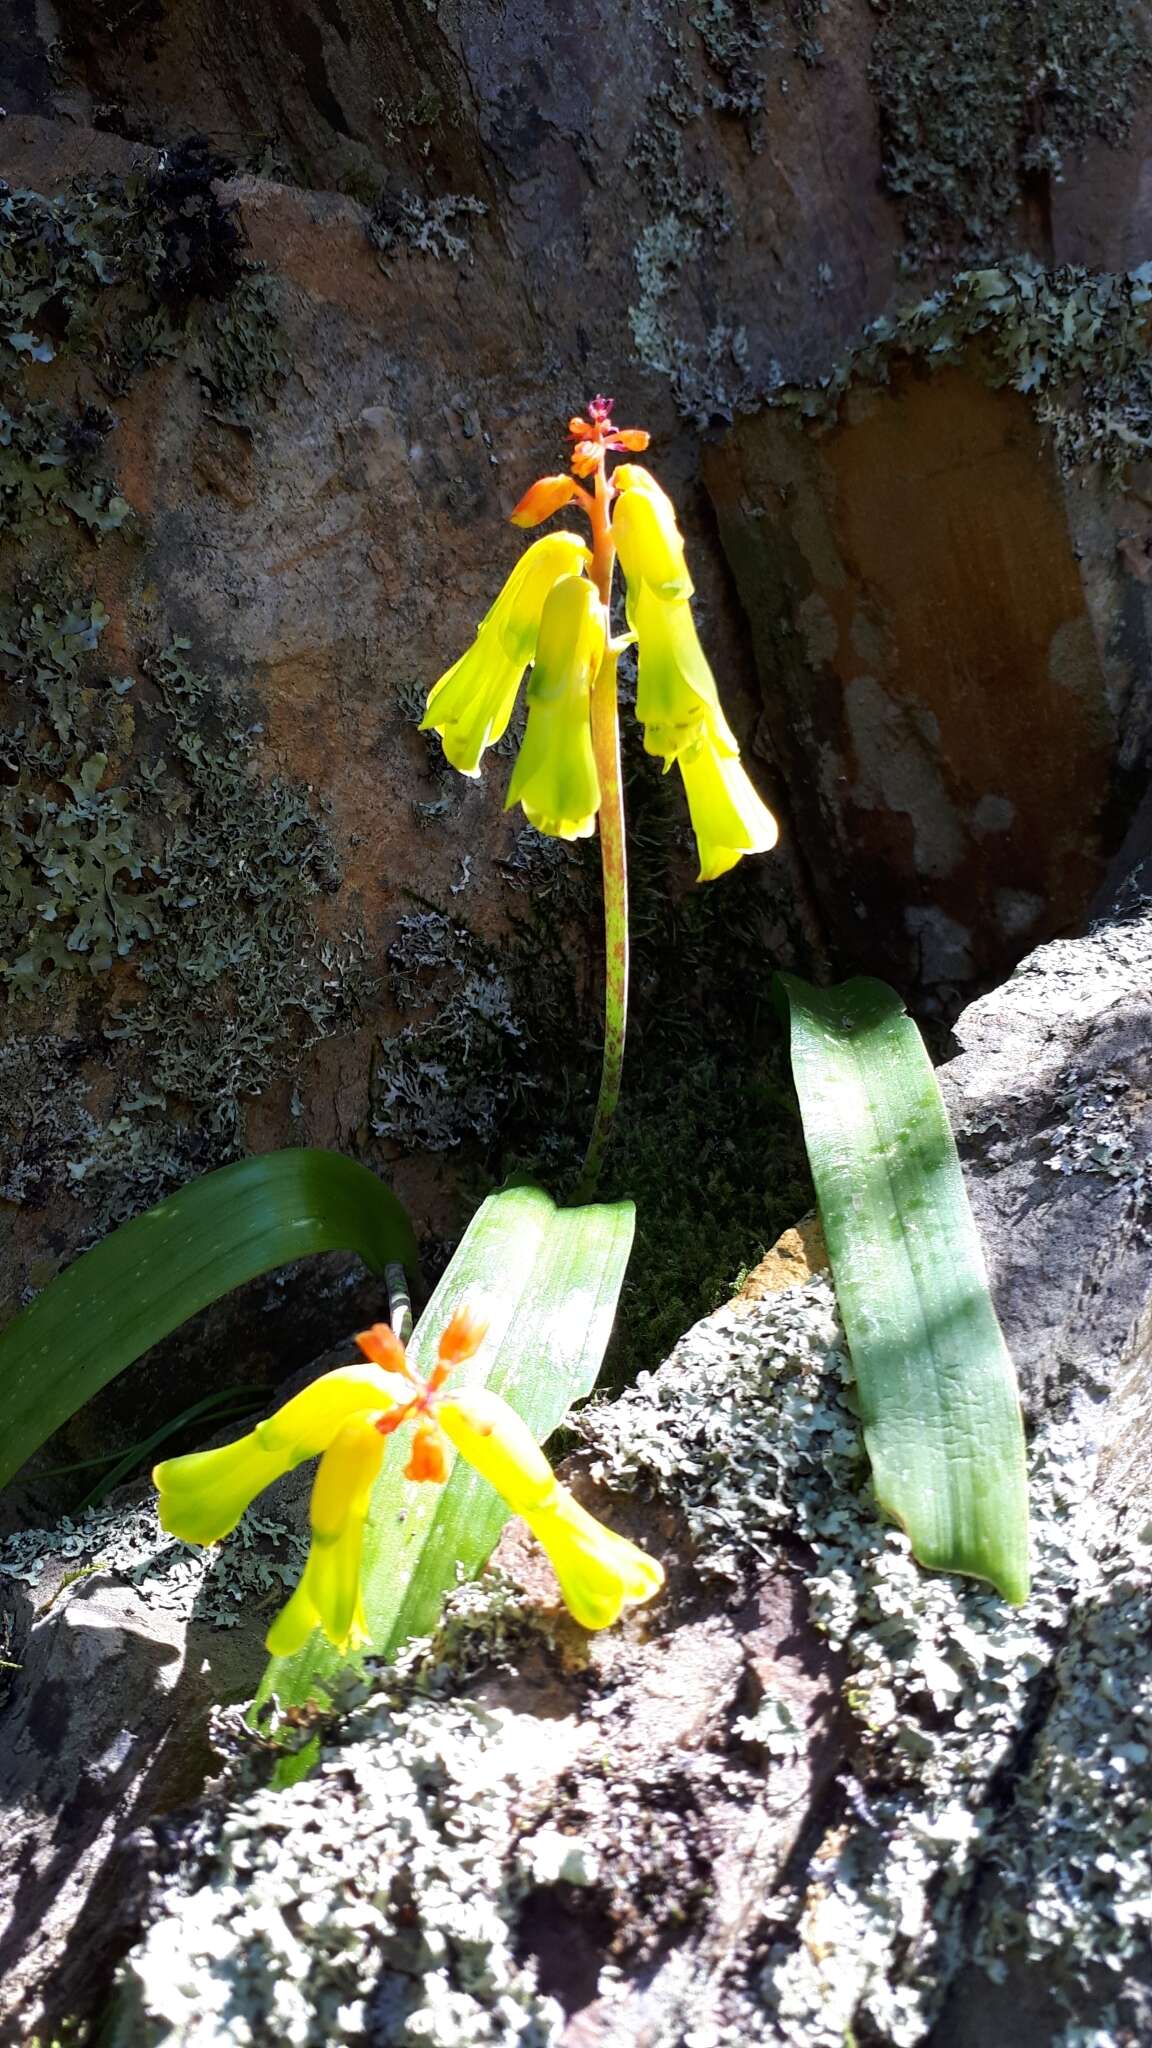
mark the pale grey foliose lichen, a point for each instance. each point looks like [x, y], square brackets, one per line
[995, 1813]
[748, 1428]
[260, 1561]
[374, 1900]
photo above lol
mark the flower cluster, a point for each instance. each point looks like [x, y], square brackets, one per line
[552, 617]
[346, 1417]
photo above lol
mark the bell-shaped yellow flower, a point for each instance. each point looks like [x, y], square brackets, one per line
[677, 702]
[472, 703]
[555, 776]
[728, 817]
[349, 1415]
[648, 540]
[600, 1573]
[203, 1495]
[328, 1595]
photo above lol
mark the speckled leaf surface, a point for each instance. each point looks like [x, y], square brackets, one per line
[547, 1280]
[936, 1386]
[145, 1279]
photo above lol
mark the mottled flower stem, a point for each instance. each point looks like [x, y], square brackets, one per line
[613, 848]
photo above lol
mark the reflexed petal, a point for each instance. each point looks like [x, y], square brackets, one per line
[728, 817]
[676, 697]
[473, 701]
[555, 775]
[600, 1573]
[329, 1596]
[648, 540]
[203, 1495]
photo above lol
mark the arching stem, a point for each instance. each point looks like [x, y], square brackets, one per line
[613, 852]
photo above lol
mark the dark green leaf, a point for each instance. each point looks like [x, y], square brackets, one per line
[148, 1277]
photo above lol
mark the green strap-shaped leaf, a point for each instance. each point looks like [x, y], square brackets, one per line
[937, 1389]
[548, 1281]
[148, 1277]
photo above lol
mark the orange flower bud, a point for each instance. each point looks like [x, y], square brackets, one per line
[545, 497]
[462, 1336]
[383, 1347]
[428, 1459]
[635, 438]
[585, 456]
[578, 428]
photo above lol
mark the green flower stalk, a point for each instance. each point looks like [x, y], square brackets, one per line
[553, 615]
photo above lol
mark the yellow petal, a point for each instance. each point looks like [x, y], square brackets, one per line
[555, 775]
[473, 701]
[499, 1446]
[728, 817]
[649, 544]
[676, 697]
[329, 1594]
[308, 1423]
[204, 1495]
[600, 1573]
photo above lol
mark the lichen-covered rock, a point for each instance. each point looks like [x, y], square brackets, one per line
[816, 1793]
[949, 604]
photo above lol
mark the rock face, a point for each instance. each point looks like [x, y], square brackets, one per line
[813, 1789]
[953, 648]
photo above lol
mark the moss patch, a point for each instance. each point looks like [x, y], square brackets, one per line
[976, 100]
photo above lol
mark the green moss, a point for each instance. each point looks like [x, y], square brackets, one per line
[976, 99]
[1075, 341]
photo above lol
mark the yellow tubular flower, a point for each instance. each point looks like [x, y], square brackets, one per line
[472, 703]
[555, 775]
[676, 698]
[600, 1573]
[204, 1495]
[728, 817]
[648, 540]
[328, 1595]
